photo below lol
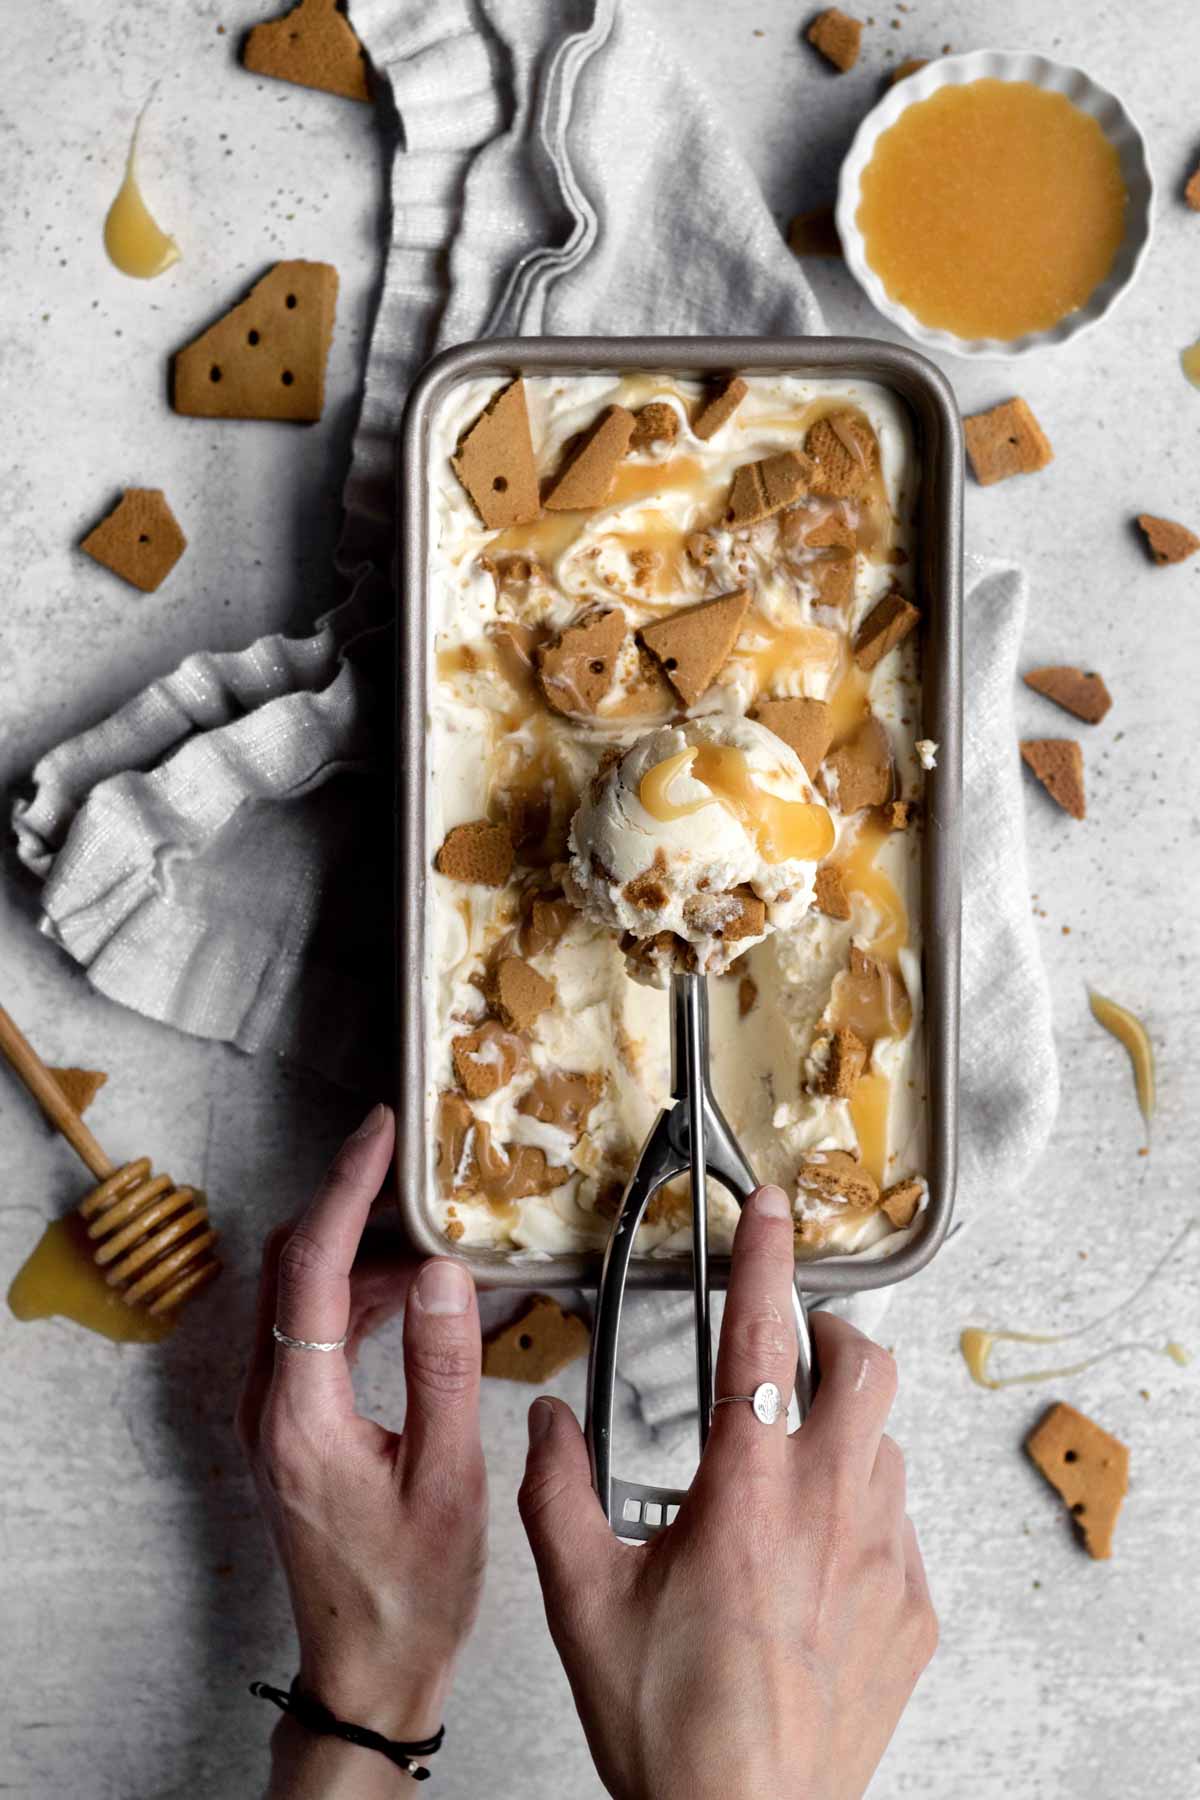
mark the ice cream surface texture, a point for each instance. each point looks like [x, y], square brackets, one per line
[674, 698]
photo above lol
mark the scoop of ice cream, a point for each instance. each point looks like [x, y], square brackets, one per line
[708, 831]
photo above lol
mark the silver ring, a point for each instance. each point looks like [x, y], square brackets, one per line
[291, 1343]
[766, 1400]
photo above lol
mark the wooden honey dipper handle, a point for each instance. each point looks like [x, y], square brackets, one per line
[26, 1062]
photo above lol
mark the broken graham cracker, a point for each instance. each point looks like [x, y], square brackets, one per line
[693, 645]
[265, 359]
[1166, 541]
[814, 233]
[1058, 765]
[719, 406]
[805, 725]
[517, 992]
[897, 815]
[494, 461]
[759, 489]
[469, 1164]
[587, 479]
[901, 1201]
[844, 454]
[838, 1175]
[847, 1060]
[737, 913]
[1191, 192]
[80, 1086]
[542, 1340]
[486, 1059]
[314, 46]
[140, 540]
[837, 36]
[557, 1098]
[859, 773]
[831, 897]
[654, 423]
[1006, 441]
[576, 670]
[481, 853]
[1076, 692]
[1088, 1467]
[887, 624]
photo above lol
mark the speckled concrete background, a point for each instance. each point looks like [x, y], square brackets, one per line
[138, 1596]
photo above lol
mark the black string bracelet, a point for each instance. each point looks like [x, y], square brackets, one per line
[318, 1719]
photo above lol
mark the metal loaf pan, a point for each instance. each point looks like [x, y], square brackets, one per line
[938, 575]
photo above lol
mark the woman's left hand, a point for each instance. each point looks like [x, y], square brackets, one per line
[381, 1535]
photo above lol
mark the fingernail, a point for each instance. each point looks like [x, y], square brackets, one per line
[443, 1287]
[374, 1121]
[541, 1418]
[772, 1203]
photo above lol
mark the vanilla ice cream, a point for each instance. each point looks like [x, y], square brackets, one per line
[573, 769]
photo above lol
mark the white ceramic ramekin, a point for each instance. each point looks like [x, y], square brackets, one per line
[1058, 78]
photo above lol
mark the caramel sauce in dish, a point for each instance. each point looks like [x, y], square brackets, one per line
[783, 829]
[992, 209]
[133, 240]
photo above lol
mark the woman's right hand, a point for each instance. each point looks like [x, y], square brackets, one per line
[765, 1643]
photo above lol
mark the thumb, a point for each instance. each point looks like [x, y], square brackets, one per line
[563, 1519]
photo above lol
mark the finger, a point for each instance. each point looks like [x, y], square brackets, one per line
[262, 1349]
[312, 1300]
[564, 1521]
[442, 1357]
[889, 1479]
[758, 1334]
[843, 1431]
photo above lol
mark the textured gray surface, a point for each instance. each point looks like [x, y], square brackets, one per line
[138, 1599]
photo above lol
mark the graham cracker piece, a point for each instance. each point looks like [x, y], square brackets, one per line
[759, 489]
[556, 1098]
[694, 644]
[646, 891]
[517, 992]
[1006, 441]
[469, 1164]
[887, 624]
[80, 1086]
[542, 1340]
[859, 773]
[1085, 695]
[838, 1174]
[1058, 765]
[814, 233]
[576, 670]
[655, 423]
[480, 853]
[831, 896]
[588, 477]
[486, 1059]
[908, 67]
[314, 46]
[265, 358]
[701, 546]
[1191, 192]
[901, 1200]
[732, 915]
[747, 996]
[494, 461]
[847, 1060]
[837, 36]
[1166, 541]
[719, 406]
[844, 454]
[140, 540]
[806, 725]
[897, 815]
[546, 916]
[833, 532]
[1088, 1467]
[660, 954]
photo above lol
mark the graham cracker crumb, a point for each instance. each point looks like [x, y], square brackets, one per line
[901, 1200]
[718, 406]
[646, 891]
[576, 670]
[140, 540]
[897, 815]
[1088, 1467]
[885, 626]
[1076, 692]
[1167, 541]
[831, 896]
[693, 645]
[479, 853]
[587, 480]
[837, 1175]
[847, 1060]
[1006, 441]
[701, 546]
[859, 773]
[837, 36]
[656, 423]
[517, 992]
[455, 1229]
[806, 725]
[1058, 765]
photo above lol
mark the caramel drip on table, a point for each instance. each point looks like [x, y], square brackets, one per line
[783, 829]
[60, 1280]
[1128, 1029]
[1190, 363]
[135, 243]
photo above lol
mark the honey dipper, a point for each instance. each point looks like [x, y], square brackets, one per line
[153, 1240]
